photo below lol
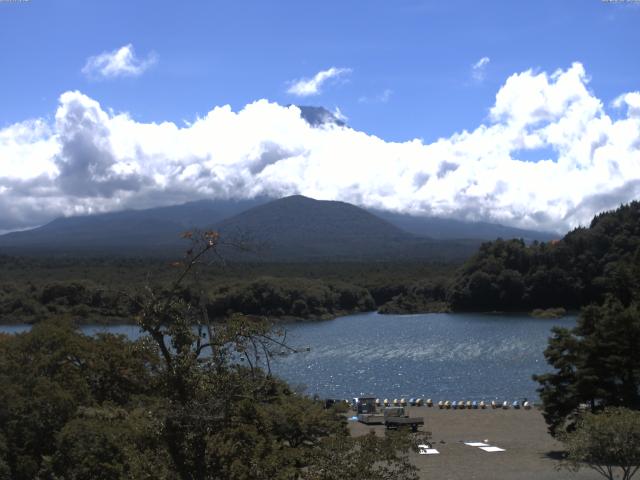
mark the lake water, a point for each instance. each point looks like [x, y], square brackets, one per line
[439, 356]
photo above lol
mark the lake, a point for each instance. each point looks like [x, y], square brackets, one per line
[439, 356]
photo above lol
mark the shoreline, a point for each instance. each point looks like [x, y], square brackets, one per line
[276, 320]
[285, 320]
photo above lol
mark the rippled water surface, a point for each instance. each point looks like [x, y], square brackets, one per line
[448, 356]
[442, 356]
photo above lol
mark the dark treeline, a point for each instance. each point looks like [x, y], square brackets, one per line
[95, 290]
[299, 298]
[582, 268]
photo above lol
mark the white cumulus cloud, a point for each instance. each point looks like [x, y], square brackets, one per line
[631, 100]
[90, 159]
[121, 62]
[312, 86]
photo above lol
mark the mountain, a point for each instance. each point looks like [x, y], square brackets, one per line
[301, 227]
[446, 228]
[291, 228]
[153, 230]
[317, 116]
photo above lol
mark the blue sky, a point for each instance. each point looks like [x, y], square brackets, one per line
[216, 53]
[526, 113]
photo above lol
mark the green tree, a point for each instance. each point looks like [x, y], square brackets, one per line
[606, 442]
[367, 457]
[5, 471]
[48, 374]
[109, 443]
[596, 364]
[225, 416]
[582, 268]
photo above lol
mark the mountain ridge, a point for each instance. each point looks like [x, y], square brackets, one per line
[303, 227]
[446, 228]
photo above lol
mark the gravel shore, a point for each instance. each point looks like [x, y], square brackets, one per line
[530, 452]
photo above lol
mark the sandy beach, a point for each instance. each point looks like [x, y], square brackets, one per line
[530, 452]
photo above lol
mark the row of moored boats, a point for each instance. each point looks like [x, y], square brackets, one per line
[453, 405]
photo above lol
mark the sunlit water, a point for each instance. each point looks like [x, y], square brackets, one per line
[442, 356]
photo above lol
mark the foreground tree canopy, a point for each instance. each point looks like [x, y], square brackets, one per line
[608, 442]
[596, 365]
[191, 400]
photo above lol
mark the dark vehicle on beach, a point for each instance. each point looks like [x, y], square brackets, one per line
[396, 417]
[391, 417]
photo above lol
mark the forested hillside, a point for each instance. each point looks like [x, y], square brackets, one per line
[582, 268]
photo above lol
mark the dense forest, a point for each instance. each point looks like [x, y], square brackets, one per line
[582, 268]
[95, 290]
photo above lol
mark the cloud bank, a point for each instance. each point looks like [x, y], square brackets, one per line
[92, 160]
[122, 62]
[312, 86]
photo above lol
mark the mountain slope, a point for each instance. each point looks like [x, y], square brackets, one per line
[292, 228]
[447, 228]
[301, 228]
[129, 231]
[318, 116]
[305, 227]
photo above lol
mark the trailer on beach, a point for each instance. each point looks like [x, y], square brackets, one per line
[390, 417]
[396, 417]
